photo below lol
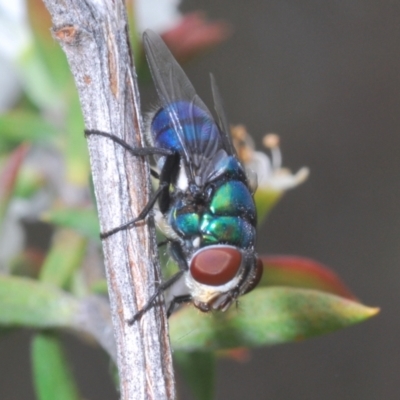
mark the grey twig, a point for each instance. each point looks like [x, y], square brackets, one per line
[93, 34]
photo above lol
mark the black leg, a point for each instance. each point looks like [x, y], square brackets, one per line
[154, 174]
[140, 217]
[140, 151]
[175, 249]
[172, 159]
[165, 285]
[134, 151]
[163, 243]
[176, 301]
[167, 176]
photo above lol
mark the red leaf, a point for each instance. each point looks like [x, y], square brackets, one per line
[9, 173]
[304, 273]
[194, 35]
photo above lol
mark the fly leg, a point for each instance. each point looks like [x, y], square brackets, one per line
[168, 173]
[160, 290]
[176, 301]
[142, 215]
[167, 176]
[179, 296]
[135, 151]
[175, 249]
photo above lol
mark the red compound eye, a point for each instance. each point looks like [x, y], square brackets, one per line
[257, 277]
[216, 266]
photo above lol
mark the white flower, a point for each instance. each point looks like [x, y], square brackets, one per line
[271, 176]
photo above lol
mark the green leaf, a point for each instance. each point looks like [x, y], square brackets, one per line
[198, 369]
[265, 200]
[65, 257]
[37, 82]
[29, 182]
[84, 221]
[27, 263]
[29, 303]
[51, 373]
[19, 126]
[99, 287]
[47, 48]
[266, 316]
[134, 36]
[76, 154]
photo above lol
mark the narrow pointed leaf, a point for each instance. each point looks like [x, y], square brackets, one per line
[76, 155]
[266, 316]
[36, 81]
[52, 375]
[134, 35]
[29, 181]
[84, 221]
[198, 369]
[19, 126]
[303, 273]
[99, 287]
[265, 201]
[29, 303]
[46, 47]
[65, 257]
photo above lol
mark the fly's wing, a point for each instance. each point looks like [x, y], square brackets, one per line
[223, 121]
[225, 132]
[173, 86]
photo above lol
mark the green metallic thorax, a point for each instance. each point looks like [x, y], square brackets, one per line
[227, 217]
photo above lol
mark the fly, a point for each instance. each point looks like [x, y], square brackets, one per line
[205, 204]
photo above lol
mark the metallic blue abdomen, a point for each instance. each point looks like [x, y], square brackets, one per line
[198, 127]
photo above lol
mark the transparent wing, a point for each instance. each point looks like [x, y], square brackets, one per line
[173, 87]
[223, 121]
[171, 82]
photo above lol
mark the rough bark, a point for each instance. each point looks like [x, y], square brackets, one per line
[93, 35]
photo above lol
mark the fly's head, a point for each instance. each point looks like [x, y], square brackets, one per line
[219, 274]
